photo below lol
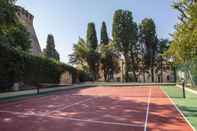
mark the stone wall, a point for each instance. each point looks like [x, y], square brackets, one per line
[27, 20]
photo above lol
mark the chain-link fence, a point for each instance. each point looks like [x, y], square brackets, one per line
[187, 72]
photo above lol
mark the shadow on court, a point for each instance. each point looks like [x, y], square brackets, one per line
[72, 111]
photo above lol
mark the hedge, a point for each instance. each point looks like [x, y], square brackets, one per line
[20, 66]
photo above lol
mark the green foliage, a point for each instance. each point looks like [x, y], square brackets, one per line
[20, 66]
[106, 53]
[125, 37]
[7, 13]
[79, 57]
[93, 56]
[12, 32]
[134, 53]
[149, 38]
[109, 60]
[50, 51]
[85, 58]
[18, 38]
[184, 46]
[122, 30]
[91, 36]
[161, 60]
[104, 35]
[84, 76]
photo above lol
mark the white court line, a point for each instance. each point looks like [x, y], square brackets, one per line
[104, 122]
[29, 100]
[68, 106]
[173, 103]
[147, 110]
[26, 101]
[76, 119]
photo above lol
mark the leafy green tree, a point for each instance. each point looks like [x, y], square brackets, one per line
[150, 40]
[134, 52]
[161, 60]
[7, 13]
[50, 51]
[184, 46]
[123, 34]
[80, 54]
[12, 33]
[93, 57]
[109, 61]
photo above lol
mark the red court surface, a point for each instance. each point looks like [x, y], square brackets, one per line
[94, 109]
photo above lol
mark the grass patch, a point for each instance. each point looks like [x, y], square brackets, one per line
[188, 106]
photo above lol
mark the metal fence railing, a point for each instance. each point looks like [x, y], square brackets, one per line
[188, 72]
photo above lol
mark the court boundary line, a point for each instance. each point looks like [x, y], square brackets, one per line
[147, 110]
[102, 122]
[74, 119]
[177, 108]
[27, 101]
[68, 106]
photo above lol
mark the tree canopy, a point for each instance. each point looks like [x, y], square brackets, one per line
[184, 46]
[104, 35]
[91, 36]
[50, 51]
[12, 33]
[123, 33]
[149, 38]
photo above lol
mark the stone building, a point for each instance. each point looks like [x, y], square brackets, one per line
[27, 20]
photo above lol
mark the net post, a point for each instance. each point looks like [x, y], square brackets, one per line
[183, 87]
[38, 89]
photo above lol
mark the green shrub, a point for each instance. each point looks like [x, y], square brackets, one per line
[19, 66]
[83, 76]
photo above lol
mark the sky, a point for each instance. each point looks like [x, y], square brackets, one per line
[67, 19]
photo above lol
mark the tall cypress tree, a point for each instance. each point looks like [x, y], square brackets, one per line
[122, 35]
[104, 35]
[106, 57]
[91, 36]
[50, 51]
[150, 40]
[93, 57]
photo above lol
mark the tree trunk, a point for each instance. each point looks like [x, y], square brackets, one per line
[152, 66]
[144, 77]
[152, 74]
[133, 69]
[105, 74]
[126, 68]
[162, 71]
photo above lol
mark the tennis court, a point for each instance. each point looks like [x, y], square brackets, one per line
[112, 108]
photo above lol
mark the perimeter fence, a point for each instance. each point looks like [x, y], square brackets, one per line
[188, 72]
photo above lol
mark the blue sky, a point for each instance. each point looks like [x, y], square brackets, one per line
[67, 19]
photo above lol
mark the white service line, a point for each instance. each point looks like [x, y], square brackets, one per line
[173, 103]
[68, 106]
[75, 119]
[103, 122]
[28, 100]
[147, 110]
